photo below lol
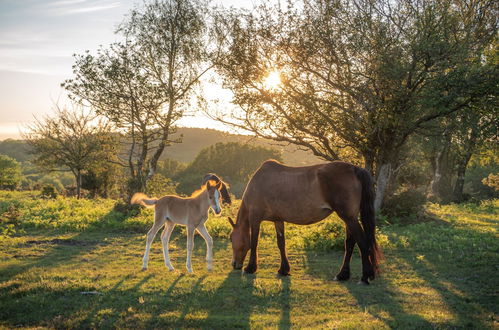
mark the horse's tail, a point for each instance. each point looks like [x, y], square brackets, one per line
[367, 216]
[142, 199]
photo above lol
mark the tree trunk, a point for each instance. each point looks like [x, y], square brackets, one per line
[440, 186]
[78, 184]
[457, 194]
[382, 181]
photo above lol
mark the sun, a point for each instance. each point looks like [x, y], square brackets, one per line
[273, 80]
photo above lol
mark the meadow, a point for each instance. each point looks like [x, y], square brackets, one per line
[68, 263]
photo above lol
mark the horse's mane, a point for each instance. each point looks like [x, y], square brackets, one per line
[202, 189]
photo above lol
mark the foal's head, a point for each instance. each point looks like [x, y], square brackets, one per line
[240, 244]
[214, 195]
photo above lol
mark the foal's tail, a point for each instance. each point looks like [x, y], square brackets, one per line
[142, 199]
[367, 217]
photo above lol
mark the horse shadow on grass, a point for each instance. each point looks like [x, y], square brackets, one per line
[229, 305]
[457, 284]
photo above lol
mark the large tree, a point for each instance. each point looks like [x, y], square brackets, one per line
[145, 84]
[70, 140]
[356, 76]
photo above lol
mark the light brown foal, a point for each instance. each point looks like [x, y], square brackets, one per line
[191, 212]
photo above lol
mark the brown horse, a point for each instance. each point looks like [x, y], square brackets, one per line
[306, 195]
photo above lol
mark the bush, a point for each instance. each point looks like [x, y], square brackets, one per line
[49, 191]
[405, 205]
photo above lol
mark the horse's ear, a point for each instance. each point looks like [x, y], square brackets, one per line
[208, 184]
[231, 222]
[219, 185]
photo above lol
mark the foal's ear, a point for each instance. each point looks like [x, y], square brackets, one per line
[208, 184]
[219, 185]
[231, 222]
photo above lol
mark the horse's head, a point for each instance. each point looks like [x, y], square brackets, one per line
[224, 190]
[240, 244]
[214, 195]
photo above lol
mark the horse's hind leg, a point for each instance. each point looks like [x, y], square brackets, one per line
[209, 245]
[357, 232]
[165, 239]
[281, 243]
[344, 273]
[190, 246]
[150, 237]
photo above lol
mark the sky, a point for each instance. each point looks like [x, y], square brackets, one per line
[37, 41]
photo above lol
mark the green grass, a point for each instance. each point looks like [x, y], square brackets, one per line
[441, 273]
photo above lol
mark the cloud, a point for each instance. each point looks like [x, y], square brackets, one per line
[74, 7]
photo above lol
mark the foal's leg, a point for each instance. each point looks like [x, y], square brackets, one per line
[150, 237]
[165, 239]
[209, 245]
[344, 273]
[360, 238]
[281, 243]
[255, 232]
[190, 246]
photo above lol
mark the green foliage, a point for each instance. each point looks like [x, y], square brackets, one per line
[234, 162]
[404, 205]
[476, 181]
[49, 191]
[160, 186]
[10, 173]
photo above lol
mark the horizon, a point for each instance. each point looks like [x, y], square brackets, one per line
[37, 42]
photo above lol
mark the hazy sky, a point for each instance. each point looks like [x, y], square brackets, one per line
[37, 41]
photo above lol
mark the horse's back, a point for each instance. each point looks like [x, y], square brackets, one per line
[294, 194]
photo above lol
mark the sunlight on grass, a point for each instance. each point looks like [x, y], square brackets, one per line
[439, 273]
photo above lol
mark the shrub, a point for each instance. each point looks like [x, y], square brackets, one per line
[404, 205]
[49, 191]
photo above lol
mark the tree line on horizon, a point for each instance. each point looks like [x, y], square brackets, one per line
[406, 89]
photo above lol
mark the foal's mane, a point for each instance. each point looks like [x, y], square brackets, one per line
[202, 189]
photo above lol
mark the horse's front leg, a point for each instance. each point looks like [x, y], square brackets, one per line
[344, 273]
[190, 246]
[281, 243]
[254, 233]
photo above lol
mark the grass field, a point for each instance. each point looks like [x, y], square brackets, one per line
[76, 264]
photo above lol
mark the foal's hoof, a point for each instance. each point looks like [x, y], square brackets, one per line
[143, 269]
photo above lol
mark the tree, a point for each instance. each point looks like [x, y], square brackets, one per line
[10, 173]
[235, 162]
[70, 140]
[144, 84]
[356, 76]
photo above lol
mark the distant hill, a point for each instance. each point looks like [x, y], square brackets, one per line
[194, 139]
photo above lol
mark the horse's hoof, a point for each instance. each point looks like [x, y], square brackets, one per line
[189, 271]
[283, 273]
[171, 269]
[143, 269]
[363, 282]
[341, 277]
[249, 270]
